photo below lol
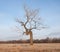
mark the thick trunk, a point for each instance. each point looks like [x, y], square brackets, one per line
[31, 39]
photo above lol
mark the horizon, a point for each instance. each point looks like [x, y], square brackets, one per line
[49, 12]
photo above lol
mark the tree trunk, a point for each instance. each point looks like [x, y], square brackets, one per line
[31, 39]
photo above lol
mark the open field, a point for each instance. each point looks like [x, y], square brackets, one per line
[42, 47]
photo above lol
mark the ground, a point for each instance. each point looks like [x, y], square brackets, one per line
[42, 47]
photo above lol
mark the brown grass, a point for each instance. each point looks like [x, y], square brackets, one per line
[42, 47]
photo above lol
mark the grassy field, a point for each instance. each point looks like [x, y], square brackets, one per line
[42, 47]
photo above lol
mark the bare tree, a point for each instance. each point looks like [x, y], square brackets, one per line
[32, 21]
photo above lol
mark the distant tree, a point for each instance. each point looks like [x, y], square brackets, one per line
[32, 21]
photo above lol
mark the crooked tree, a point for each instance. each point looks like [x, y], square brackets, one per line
[32, 21]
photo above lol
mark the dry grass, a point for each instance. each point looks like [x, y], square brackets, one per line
[42, 47]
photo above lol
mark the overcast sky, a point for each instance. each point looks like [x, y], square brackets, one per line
[10, 9]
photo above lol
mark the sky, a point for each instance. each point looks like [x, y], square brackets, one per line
[49, 12]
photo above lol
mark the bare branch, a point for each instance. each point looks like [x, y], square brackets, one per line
[19, 21]
[31, 16]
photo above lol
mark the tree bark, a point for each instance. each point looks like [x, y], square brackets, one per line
[31, 39]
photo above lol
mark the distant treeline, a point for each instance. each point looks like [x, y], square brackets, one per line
[47, 40]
